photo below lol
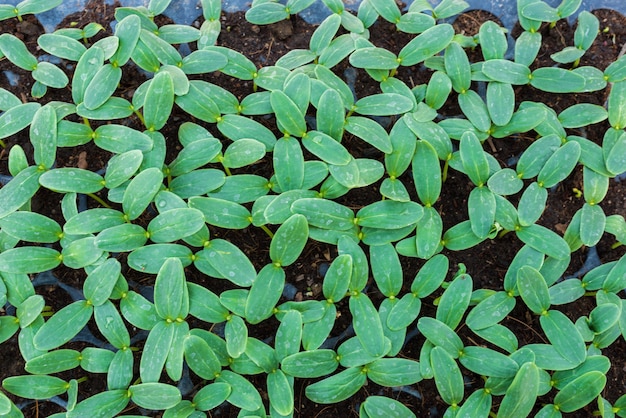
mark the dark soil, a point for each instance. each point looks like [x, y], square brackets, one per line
[487, 262]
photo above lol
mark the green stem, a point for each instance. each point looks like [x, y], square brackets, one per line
[97, 199]
[444, 174]
[616, 245]
[2, 144]
[267, 231]
[140, 117]
[503, 233]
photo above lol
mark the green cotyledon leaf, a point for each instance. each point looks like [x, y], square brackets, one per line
[386, 269]
[564, 336]
[592, 224]
[121, 238]
[43, 136]
[455, 301]
[559, 165]
[506, 71]
[99, 283]
[457, 67]
[220, 212]
[315, 333]
[481, 208]
[69, 179]
[330, 116]
[15, 51]
[288, 161]
[488, 362]
[17, 118]
[440, 335]
[202, 61]
[500, 102]
[531, 204]
[492, 40]
[194, 155]
[369, 131]
[337, 278]
[617, 106]
[150, 258]
[47, 74]
[289, 240]
[367, 324]
[127, 31]
[29, 259]
[447, 374]
[138, 311]
[104, 404]
[211, 396]
[309, 364]
[475, 109]
[171, 296]
[522, 393]
[53, 362]
[288, 336]
[337, 387]
[31, 226]
[288, 115]
[373, 58]
[264, 293]
[120, 138]
[383, 104]
[324, 213]
[154, 395]
[111, 325]
[460, 237]
[201, 358]
[164, 52]
[175, 224]
[557, 80]
[243, 152]
[326, 148]
[35, 386]
[243, 393]
[505, 182]
[544, 240]
[266, 13]
[533, 289]
[230, 262]
[381, 406]
[580, 391]
[473, 158]
[393, 372]
[389, 214]
[426, 172]
[198, 102]
[63, 325]
[159, 101]
[102, 86]
[490, 311]
[280, 392]
[155, 351]
[19, 190]
[88, 65]
[140, 192]
[426, 44]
